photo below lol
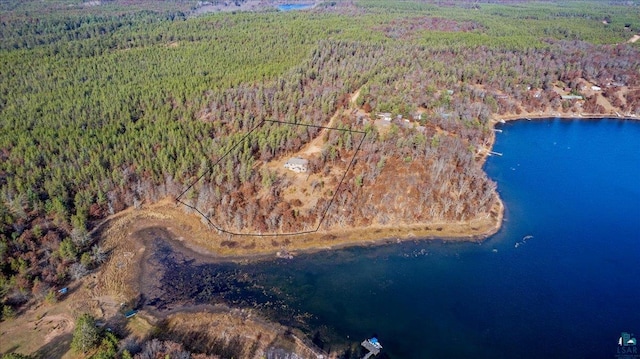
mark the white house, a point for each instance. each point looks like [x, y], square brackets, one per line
[297, 164]
[572, 97]
[385, 116]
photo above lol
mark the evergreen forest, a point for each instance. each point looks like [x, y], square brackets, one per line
[117, 104]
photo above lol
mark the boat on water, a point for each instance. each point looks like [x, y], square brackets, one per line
[374, 341]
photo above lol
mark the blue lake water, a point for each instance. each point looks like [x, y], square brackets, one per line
[292, 7]
[568, 292]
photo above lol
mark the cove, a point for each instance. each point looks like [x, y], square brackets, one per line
[569, 290]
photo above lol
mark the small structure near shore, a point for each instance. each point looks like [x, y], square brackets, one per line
[373, 346]
[130, 314]
[284, 254]
[385, 116]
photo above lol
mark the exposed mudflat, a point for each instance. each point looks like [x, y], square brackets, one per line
[174, 278]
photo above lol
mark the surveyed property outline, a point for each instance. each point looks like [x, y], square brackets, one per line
[246, 137]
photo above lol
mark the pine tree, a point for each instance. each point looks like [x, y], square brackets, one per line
[85, 335]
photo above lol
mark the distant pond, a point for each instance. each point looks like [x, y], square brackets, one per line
[559, 280]
[293, 7]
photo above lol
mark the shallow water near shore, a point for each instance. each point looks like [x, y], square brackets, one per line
[560, 279]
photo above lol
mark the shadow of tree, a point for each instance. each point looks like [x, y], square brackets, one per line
[56, 348]
[10, 350]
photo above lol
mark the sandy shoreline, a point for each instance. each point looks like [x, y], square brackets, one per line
[189, 231]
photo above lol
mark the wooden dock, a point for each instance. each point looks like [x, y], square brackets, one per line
[482, 150]
[371, 347]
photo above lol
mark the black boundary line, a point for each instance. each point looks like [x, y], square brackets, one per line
[324, 213]
[218, 161]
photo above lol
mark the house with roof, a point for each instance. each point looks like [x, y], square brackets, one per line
[572, 97]
[385, 116]
[297, 164]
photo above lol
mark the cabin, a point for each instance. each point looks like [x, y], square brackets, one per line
[404, 124]
[385, 116]
[362, 120]
[572, 97]
[297, 164]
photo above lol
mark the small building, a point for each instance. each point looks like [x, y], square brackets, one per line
[385, 116]
[297, 164]
[362, 119]
[596, 88]
[130, 314]
[572, 97]
[404, 124]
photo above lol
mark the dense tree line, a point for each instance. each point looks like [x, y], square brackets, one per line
[402, 80]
